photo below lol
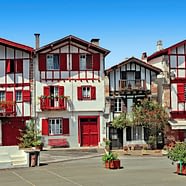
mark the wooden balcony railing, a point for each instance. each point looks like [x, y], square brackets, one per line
[137, 84]
[53, 103]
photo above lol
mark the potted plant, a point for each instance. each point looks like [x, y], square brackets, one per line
[178, 154]
[111, 160]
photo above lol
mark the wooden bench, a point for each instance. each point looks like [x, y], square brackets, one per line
[58, 142]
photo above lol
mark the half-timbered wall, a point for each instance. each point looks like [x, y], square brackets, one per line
[14, 76]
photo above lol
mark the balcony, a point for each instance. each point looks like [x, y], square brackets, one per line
[53, 103]
[7, 108]
[131, 85]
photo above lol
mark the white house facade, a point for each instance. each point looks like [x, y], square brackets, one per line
[129, 81]
[70, 101]
[16, 84]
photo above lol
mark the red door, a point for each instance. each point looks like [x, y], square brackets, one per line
[10, 132]
[89, 132]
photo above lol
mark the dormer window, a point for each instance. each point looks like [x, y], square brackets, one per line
[52, 61]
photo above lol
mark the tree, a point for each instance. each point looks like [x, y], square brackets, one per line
[30, 136]
[150, 114]
[121, 121]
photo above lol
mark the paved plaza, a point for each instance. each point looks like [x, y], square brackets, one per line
[136, 171]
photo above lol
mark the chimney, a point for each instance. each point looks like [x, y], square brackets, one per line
[159, 45]
[95, 42]
[37, 40]
[144, 56]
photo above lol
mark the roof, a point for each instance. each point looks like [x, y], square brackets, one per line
[137, 61]
[77, 40]
[16, 45]
[165, 51]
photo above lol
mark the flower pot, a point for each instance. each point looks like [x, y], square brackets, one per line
[181, 168]
[114, 164]
[107, 164]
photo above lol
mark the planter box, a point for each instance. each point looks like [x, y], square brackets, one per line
[181, 169]
[114, 164]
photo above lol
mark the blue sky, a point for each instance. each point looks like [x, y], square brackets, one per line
[125, 27]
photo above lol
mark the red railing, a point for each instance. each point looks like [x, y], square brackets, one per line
[53, 103]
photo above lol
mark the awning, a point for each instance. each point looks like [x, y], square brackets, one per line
[177, 124]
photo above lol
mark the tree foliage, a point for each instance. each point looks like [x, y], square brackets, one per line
[121, 121]
[145, 113]
[150, 114]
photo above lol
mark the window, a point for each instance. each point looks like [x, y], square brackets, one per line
[85, 62]
[14, 65]
[52, 62]
[2, 96]
[18, 96]
[118, 105]
[86, 93]
[55, 126]
[134, 133]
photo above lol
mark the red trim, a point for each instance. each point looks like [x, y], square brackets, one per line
[79, 93]
[26, 95]
[14, 85]
[9, 98]
[178, 114]
[65, 126]
[19, 65]
[45, 127]
[63, 62]
[16, 45]
[75, 40]
[75, 62]
[93, 93]
[96, 62]
[42, 62]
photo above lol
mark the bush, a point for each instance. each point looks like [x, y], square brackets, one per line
[109, 156]
[178, 153]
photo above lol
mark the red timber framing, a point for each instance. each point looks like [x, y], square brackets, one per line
[91, 134]
[13, 68]
[65, 58]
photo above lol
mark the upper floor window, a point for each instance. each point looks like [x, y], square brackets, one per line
[118, 105]
[18, 96]
[14, 65]
[85, 62]
[52, 61]
[2, 96]
[86, 92]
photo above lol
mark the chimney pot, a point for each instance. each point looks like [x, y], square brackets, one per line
[144, 56]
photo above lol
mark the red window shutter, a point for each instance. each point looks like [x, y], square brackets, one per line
[96, 62]
[79, 93]
[61, 93]
[93, 92]
[8, 69]
[26, 95]
[180, 92]
[46, 91]
[44, 126]
[65, 125]
[9, 100]
[75, 62]
[63, 62]
[19, 65]
[42, 62]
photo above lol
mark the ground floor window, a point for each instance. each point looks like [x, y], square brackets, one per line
[134, 133]
[55, 126]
